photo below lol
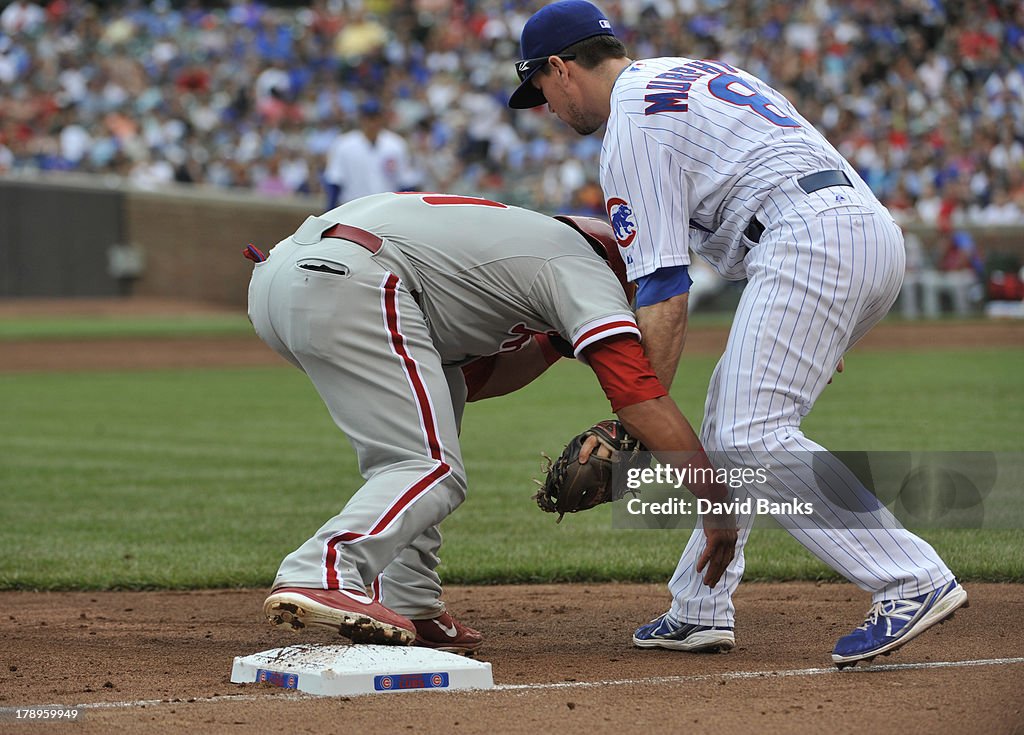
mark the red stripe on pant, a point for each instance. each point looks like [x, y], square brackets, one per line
[408, 497]
[428, 423]
[411, 368]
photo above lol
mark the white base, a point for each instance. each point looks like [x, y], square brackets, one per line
[361, 669]
[1005, 309]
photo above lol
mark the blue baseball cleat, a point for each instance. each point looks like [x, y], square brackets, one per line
[891, 623]
[663, 632]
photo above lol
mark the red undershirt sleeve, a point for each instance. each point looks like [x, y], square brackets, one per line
[623, 370]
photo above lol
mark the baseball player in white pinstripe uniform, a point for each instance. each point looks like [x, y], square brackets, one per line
[401, 308]
[700, 155]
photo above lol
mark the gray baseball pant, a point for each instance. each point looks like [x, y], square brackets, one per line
[357, 332]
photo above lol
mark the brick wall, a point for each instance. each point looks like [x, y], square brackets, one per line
[191, 237]
[193, 241]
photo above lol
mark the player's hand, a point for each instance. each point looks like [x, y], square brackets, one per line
[720, 532]
[839, 368]
[589, 446]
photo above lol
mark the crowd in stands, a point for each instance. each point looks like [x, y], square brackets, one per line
[924, 97]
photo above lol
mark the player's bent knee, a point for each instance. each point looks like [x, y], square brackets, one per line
[750, 444]
[433, 483]
[731, 453]
[728, 448]
[455, 484]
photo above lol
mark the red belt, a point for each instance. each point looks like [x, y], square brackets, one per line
[360, 237]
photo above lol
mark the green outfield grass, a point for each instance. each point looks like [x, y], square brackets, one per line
[98, 327]
[227, 324]
[233, 324]
[206, 478]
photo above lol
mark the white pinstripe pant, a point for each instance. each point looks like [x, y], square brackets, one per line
[362, 340]
[827, 268]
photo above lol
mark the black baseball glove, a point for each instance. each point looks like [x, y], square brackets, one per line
[570, 486]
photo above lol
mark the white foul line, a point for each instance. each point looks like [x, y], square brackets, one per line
[654, 680]
[646, 681]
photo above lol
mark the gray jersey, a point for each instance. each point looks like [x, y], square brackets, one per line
[487, 276]
[380, 328]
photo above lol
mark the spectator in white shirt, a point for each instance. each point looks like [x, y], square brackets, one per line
[22, 17]
[1008, 152]
[368, 160]
[1001, 211]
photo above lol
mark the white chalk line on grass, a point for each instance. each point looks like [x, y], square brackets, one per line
[645, 681]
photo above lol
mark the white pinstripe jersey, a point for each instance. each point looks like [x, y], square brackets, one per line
[699, 143]
[488, 275]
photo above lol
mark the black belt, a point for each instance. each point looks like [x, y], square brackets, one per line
[810, 184]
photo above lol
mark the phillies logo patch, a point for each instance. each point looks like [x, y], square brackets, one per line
[620, 214]
[520, 334]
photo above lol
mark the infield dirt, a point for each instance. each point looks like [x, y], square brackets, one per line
[161, 662]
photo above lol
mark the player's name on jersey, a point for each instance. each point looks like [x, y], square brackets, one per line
[700, 506]
[668, 91]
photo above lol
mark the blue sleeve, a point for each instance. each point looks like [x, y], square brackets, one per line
[662, 285]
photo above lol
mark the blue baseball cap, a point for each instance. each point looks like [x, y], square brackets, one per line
[963, 240]
[370, 107]
[551, 29]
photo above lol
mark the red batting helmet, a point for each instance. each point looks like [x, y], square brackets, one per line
[601, 238]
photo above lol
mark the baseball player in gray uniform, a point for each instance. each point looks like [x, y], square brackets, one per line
[401, 308]
[699, 154]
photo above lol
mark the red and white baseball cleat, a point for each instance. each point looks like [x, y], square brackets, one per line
[354, 616]
[445, 633]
